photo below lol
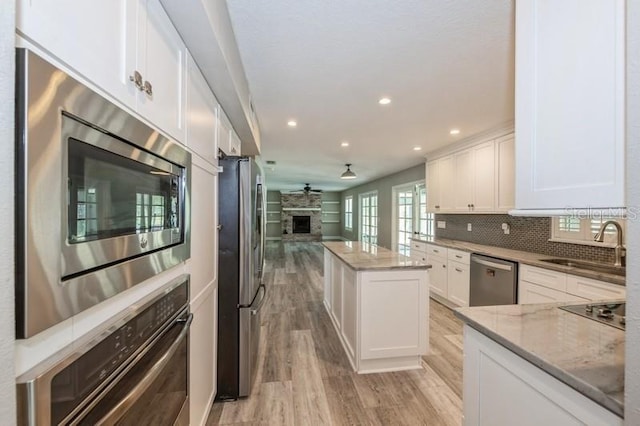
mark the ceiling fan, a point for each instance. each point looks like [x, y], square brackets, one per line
[307, 189]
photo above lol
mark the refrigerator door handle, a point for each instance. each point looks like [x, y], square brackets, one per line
[492, 264]
[264, 297]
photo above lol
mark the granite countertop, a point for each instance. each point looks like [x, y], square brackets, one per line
[528, 258]
[585, 354]
[366, 257]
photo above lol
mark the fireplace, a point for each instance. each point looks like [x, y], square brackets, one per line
[301, 224]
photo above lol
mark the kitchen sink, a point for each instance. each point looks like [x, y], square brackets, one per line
[595, 267]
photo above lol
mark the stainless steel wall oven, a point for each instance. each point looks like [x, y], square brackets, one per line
[133, 371]
[102, 199]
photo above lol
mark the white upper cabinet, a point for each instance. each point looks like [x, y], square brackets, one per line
[160, 58]
[476, 179]
[440, 196]
[106, 42]
[570, 104]
[484, 167]
[505, 173]
[93, 48]
[228, 140]
[202, 120]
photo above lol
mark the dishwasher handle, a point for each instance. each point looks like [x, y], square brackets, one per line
[491, 264]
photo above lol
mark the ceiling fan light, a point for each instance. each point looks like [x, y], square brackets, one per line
[348, 174]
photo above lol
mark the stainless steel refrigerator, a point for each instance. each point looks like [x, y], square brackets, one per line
[241, 291]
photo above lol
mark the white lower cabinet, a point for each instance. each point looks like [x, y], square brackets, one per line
[381, 317]
[539, 285]
[502, 389]
[449, 276]
[458, 283]
[438, 279]
[535, 293]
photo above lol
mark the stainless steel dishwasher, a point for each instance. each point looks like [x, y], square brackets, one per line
[493, 281]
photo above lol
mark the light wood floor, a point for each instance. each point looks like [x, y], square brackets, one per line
[304, 377]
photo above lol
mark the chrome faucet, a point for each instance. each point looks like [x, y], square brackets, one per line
[620, 251]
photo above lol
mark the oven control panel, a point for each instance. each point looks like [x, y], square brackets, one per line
[89, 371]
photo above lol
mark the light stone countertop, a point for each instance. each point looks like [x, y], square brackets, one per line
[584, 354]
[528, 258]
[369, 257]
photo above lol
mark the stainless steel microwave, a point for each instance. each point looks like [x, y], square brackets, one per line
[102, 199]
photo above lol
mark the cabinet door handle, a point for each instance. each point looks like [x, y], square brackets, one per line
[437, 207]
[458, 256]
[148, 88]
[444, 266]
[137, 80]
[436, 251]
[458, 270]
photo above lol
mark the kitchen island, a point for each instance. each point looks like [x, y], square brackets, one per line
[378, 301]
[537, 364]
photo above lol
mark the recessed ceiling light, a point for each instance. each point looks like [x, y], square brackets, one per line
[417, 148]
[344, 144]
[292, 123]
[454, 132]
[384, 101]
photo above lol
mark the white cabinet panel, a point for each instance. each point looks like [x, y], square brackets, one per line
[570, 103]
[506, 173]
[502, 389]
[534, 293]
[350, 310]
[204, 234]
[224, 132]
[336, 291]
[386, 334]
[94, 48]
[327, 275]
[433, 186]
[201, 115]
[463, 177]
[483, 178]
[594, 289]
[202, 360]
[447, 184]
[161, 60]
[234, 144]
[458, 283]
[438, 276]
[544, 277]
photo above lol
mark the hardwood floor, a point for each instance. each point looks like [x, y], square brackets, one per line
[304, 378]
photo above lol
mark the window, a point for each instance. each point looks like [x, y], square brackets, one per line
[87, 215]
[369, 218]
[572, 229]
[150, 212]
[411, 215]
[348, 213]
[404, 209]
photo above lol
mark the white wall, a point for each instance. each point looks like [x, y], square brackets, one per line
[632, 363]
[7, 321]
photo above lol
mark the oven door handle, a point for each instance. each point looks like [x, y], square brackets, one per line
[127, 402]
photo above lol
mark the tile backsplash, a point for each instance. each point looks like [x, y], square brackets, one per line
[527, 234]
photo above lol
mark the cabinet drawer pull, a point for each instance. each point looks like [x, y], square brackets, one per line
[436, 251]
[148, 88]
[437, 207]
[137, 80]
[444, 266]
[458, 256]
[458, 270]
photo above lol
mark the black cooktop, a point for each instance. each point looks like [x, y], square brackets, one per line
[612, 313]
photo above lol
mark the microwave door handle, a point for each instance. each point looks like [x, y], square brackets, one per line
[134, 395]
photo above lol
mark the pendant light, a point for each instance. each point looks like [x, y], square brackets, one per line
[348, 174]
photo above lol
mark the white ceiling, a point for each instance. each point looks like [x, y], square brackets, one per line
[325, 63]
